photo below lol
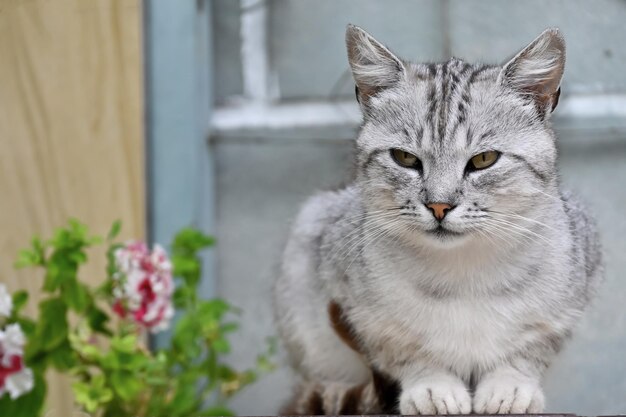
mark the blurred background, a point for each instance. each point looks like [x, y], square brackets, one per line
[227, 114]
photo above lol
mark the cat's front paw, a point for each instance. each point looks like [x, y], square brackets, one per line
[508, 395]
[436, 395]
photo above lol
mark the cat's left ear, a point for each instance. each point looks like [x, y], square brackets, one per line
[537, 70]
[374, 67]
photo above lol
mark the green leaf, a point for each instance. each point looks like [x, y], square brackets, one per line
[29, 404]
[115, 230]
[92, 395]
[229, 327]
[76, 295]
[62, 267]
[35, 256]
[221, 345]
[126, 344]
[52, 327]
[185, 336]
[123, 356]
[187, 268]
[126, 384]
[28, 326]
[185, 399]
[213, 309]
[97, 320]
[190, 240]
[20, 298]
[90, 352]
[182, 296]
[111, 267]
[39, 248]
[226, 373]
[78, 257]
[53, 278]
[63, 357]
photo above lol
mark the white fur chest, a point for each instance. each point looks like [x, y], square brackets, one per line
[461, 330]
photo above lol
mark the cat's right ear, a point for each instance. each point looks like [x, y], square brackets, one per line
[374, 67]
[537, 70]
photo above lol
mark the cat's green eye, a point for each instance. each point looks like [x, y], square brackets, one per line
[483, 160]
[405, 159]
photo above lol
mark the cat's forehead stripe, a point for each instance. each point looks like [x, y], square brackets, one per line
[449, 97]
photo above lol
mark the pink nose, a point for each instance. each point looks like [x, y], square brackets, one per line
[439, 209]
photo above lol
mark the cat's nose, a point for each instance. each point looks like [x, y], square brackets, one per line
[439, 210]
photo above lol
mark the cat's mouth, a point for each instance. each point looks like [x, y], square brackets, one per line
[443, 233]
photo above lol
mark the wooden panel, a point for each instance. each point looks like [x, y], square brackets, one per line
[71, 135]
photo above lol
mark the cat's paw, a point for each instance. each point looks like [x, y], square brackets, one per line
[508, 395]
[436, 395]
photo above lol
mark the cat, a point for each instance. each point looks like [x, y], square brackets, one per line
[446, 277]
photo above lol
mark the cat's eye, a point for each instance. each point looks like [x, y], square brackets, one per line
[406, 159]
[483, 160]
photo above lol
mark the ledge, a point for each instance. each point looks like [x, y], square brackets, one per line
[580, 119]
[465, 415]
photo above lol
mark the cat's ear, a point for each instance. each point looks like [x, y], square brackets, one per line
[374, 67]
[537, 70]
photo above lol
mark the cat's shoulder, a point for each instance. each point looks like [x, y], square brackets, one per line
[585, 236]
[329, 206]
[576, 208]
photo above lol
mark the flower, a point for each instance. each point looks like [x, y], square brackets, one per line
[14, 377]
[144, 285]
[6, 303]
[11, 343]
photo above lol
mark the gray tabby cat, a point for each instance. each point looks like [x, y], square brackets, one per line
[456, 263]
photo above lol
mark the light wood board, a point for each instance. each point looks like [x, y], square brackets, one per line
[71, 130]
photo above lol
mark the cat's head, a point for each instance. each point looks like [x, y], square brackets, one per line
[455, 151]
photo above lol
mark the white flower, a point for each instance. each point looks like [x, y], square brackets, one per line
[11, 343]
[19, 383]
[6, 302]
[14, 377]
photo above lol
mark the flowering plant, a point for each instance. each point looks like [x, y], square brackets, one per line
[113, 372]
[15, 378]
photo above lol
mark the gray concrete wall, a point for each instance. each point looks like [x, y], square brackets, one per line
[309, 55]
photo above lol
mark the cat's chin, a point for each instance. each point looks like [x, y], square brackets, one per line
[442, 237]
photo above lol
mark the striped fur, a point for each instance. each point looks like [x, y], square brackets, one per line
[439, 316]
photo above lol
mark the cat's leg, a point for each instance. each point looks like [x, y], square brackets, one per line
[315, 350]
[377, 396]
[432, 391]
[510, 389]
[301, 302]
[333, 398]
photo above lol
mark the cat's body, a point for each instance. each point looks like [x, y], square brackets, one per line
[454, 279]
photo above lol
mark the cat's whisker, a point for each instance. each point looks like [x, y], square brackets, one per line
[502, 234]
[533, 193]
[368, 233]
[372, 234]
[367, 214]
[346, 240]
[385, 232]
[518, 216]
[519, 229]
[484, 232]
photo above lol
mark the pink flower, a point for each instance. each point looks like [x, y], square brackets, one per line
[144, 285]
[14, 377]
